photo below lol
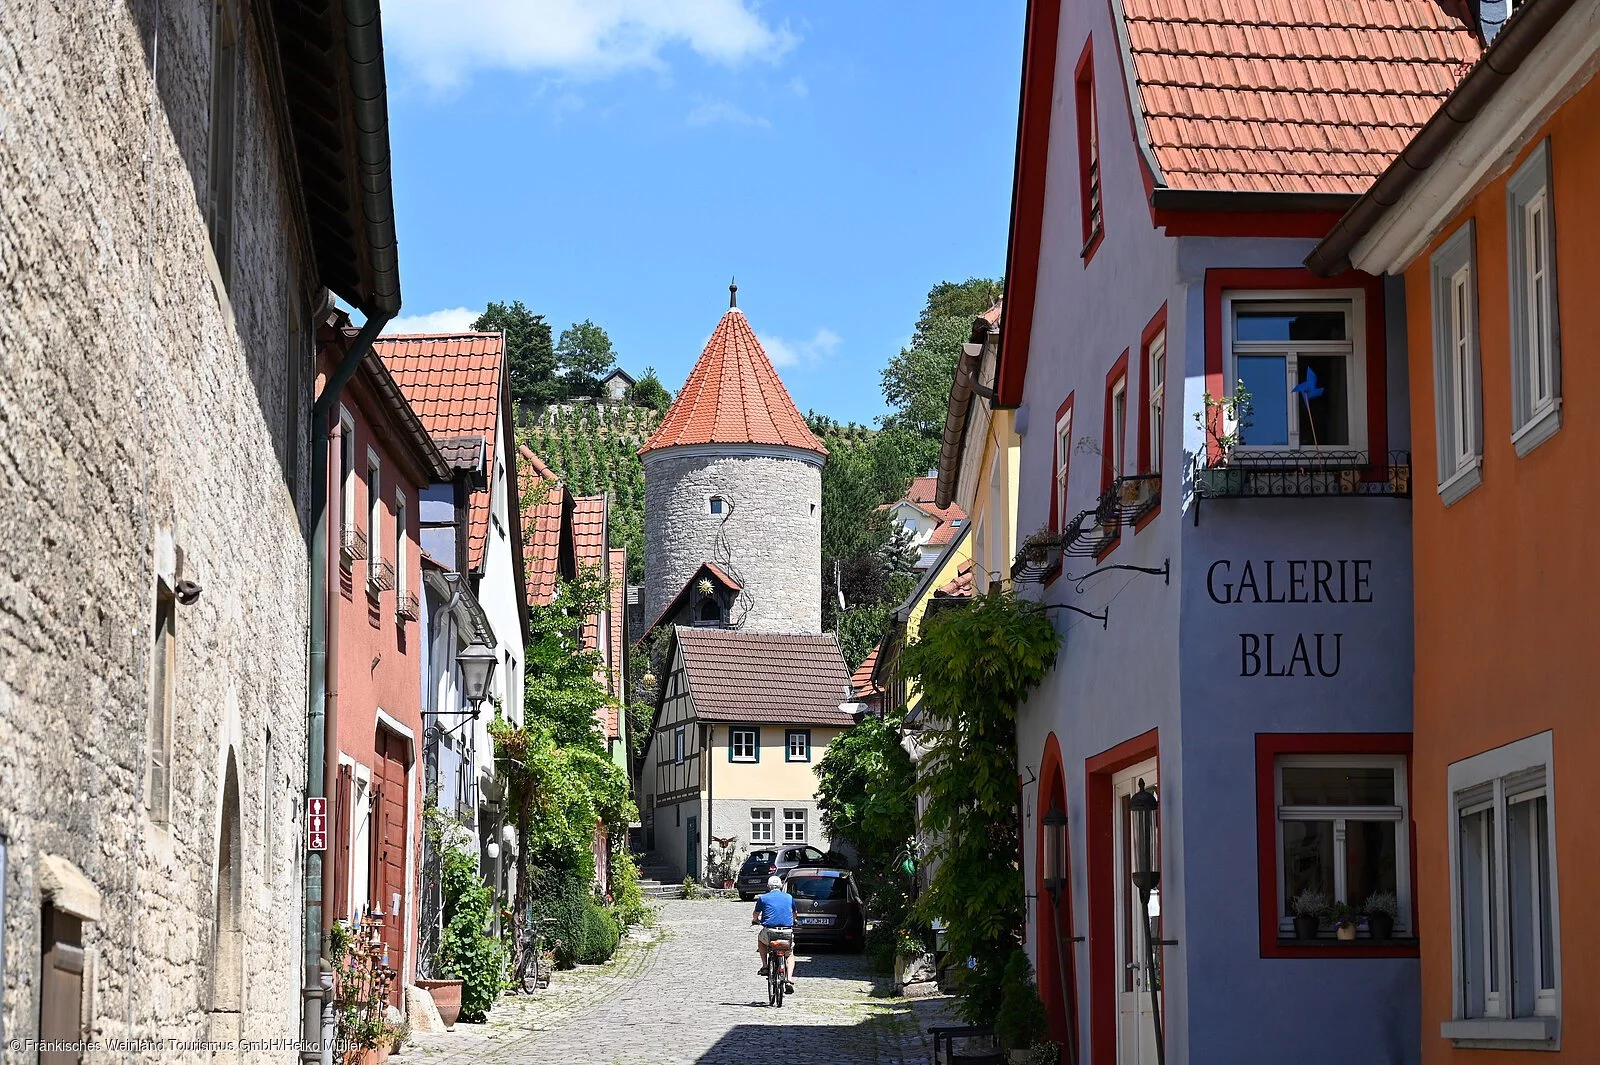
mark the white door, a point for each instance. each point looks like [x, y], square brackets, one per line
[1136, 1033]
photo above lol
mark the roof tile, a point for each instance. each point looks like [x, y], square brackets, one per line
[733, 396]
[765, 677]
[1291, 95]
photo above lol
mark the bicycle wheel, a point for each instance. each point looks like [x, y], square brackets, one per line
[529, 981]
[777, 991]
[772, 994]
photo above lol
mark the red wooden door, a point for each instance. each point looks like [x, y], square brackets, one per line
[390, 808]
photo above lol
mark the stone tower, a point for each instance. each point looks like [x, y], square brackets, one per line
[733, 478]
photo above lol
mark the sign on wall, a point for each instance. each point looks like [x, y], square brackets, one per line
[316, 824]
[1298, 582]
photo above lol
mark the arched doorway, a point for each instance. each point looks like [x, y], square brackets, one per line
[227, 973]
[1056, 972]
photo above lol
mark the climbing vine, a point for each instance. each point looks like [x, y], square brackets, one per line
[973, 666]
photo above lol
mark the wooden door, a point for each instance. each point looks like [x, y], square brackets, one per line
[390, 812]
[60, 985]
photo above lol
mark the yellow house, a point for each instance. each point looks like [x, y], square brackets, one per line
[978, 456]
[742, 722]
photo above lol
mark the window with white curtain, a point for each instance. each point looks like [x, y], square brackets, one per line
[1535, 328]
[1458, 419]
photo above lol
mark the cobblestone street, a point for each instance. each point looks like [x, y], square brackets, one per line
[692, 995]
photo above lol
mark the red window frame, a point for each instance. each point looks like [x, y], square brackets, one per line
[1117, 373]
[1058, 506]
[1091, 179]
[1269, 746]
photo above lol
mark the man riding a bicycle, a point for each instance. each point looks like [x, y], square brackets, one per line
[775, 914]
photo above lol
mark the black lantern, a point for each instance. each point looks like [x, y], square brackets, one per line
[1143, 808]
[477, 663]
[1055, 850]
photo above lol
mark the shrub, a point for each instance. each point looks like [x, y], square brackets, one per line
[627, 897]
[1021, 1020]
[467, 950]
[600, 935]
[559, 897]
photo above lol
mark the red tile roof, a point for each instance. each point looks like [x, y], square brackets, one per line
[541, 545]
[589, 549]
[1290, 95]
[710, 569]
[945, 531]
[733, 396]
[453, 382]
[765, 677]
[619, 607]
[861, 680]
[960, 586]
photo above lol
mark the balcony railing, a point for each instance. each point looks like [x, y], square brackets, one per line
[406, 607]
[352, 546]
[1304, 475]
[380, 576]
[1092, 532]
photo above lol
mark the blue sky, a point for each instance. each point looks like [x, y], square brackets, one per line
[620, 159]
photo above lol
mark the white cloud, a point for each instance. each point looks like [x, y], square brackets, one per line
[720, 112]
[798, 86]
[452, 320]
[447, 40]
[802, 352]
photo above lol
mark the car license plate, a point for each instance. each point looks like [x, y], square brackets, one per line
[816, 920]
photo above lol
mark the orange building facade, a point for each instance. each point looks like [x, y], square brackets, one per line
[1492, 230]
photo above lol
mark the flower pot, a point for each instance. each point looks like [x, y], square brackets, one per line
[727, 882]
[1381, 925]
[1305, 927]
[446, 998]
[1347, 933]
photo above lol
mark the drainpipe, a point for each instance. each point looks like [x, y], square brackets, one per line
[316, 997]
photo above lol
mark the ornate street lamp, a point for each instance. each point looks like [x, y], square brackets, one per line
[1054, 866]
[1144, 809]
[477, 664]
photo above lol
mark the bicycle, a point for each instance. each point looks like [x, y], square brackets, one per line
[529, 972]
[778, 951]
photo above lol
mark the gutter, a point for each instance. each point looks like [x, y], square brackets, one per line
[959, 408]
[1522, 33]
[363, 39]
[1170, 199]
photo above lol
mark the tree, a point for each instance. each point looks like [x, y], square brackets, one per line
[648, 391]
[585, 354]
[958, 299]
[529, 353]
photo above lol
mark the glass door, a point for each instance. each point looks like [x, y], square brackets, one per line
[1136, 1033]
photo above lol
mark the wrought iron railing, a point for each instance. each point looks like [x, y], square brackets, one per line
[1305, 474]
[1091, 532]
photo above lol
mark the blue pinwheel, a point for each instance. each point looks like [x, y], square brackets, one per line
[1309, 390]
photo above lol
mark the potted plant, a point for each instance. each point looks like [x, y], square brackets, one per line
[1345, 920]
[1381, 909]
[446, 995]
[1309, 907]
[1216, 476]
[1041, 550]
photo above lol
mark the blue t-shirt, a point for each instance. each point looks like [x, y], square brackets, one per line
[777, 908]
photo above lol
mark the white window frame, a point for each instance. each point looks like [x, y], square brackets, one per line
[717, 506]
[1155, 369]
[678, 745]
[1063, 446]
[1535, 321]
[374, 513]
[1354, 348]
[1400, 814]
[1119, 429]
[347, 470]
[1517, 772]
[1457, 384]
[789, 752]
[735, 746]
[761, 825]
[400, 554]
[791, 818]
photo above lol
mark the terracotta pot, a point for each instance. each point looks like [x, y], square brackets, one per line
[446, 998]
[727, 883]
[1347, 932]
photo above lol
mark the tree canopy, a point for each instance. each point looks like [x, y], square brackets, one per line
[529, 351]
[585, 355]
[648, 391]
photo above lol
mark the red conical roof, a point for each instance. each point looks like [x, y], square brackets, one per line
[733, 396]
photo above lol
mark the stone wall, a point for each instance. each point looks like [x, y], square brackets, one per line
[769, 538]
[142, 406]
[731, 817]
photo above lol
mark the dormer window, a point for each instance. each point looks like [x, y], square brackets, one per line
[709, 613]
[718, 506]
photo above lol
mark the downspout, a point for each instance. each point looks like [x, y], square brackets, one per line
[711, 798]
[318, 982]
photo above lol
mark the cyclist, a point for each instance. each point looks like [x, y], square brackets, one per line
[775, 914]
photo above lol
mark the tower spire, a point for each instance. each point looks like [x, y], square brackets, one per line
[733, 294]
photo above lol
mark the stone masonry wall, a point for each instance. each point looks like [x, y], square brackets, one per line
[139, 403]
[770, 539]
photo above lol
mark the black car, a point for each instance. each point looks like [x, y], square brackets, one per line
[776, 861]
[827, 908]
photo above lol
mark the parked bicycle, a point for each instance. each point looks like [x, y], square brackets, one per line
[530, 971]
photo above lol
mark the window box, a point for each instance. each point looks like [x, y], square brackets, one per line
[380, 576]
[406, 607]
[352, 546]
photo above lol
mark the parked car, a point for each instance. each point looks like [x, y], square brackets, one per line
[767, 861]
[827, 907]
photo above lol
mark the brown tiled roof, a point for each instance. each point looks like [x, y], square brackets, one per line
[960, 586]
[619, 607]
[589, 551]
[861, 680]
[945, 531]
[1308, 96]
[733, 396]
[541, 542]
[453, 381]
[765, 677]
[462, 452]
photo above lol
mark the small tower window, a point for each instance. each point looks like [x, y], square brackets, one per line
[710, 612]
[718, 505]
